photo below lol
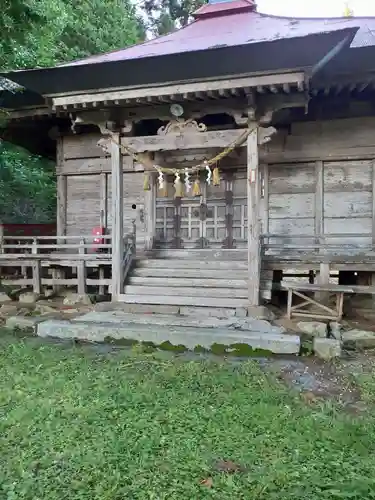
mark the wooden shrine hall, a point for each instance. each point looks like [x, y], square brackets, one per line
[201, 168]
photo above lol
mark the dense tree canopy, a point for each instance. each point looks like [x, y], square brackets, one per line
[45, 32]
[37, 33]
[165, 15]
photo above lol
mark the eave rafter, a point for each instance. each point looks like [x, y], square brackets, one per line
[208, 91]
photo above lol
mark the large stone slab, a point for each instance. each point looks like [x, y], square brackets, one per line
[176, 335]
[160, 320]
[327, 349]
[23, 322]
[313, 328]
[360, 338]
[4, 298]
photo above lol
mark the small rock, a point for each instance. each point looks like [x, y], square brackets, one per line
[361, 338]
[74, 299]
[44, 309]
[241, 312]
[28, 298]
[327, 348]
[313, 328]
[22, 322]
[260, 312]
[70, 311]
[4, 298]
[7, 309]
[48, 292]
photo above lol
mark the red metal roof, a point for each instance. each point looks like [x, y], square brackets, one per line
[213, 9]
[235, 23]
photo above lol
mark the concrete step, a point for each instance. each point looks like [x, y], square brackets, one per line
[188, 282]
[168, 272]
[183, 301]
[176, 335]
[244, 324]
[235, 293]
[192, 264]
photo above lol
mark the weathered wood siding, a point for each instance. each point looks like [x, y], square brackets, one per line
[291, 198]
[317, 179]
[133, 195]
[348, 199]
[88, 193]
[321, 180]
[83, 204]
[349, 138]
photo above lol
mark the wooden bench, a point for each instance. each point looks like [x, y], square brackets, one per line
[335, 314]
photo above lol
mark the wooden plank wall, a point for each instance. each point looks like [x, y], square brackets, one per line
[331, 195]
[318, 178]
[291, 199]
[348, 199]
[86, 172]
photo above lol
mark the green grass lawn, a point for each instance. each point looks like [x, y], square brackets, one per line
[78, 425]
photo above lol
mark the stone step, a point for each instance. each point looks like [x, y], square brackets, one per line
[235, 293]
[167, 272]
[183, 301]
[188, 282]
[235, 323]
[192, 264]
[200, 254]
[176, 335]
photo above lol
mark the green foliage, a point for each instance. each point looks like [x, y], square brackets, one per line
[46, 32]
[38, 33]
[165, 15]
[76, 424]
[27, 187]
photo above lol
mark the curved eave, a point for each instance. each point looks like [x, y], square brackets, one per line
[261, 58]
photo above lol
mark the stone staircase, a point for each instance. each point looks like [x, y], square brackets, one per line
[190, 283]
[190, 298]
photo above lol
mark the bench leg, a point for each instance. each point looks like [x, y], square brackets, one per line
[289, 308]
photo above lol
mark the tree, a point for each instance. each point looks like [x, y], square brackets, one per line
[37, 33]
[165, 15]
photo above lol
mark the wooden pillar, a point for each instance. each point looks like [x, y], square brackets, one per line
[103, 201]
[150, 213]
[323, 279]
[117, 218]
[319, 200]
[61, 195]
[253, 223]
[61, 205]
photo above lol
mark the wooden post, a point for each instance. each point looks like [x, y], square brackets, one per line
[37, 279]
[150, 214]
[81, 268]
[319, 199]
[253, 243]
[323, 279]
[61, 206]
[103, 200]
[117, 218]
[101, 278]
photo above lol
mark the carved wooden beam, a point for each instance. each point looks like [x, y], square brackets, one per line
[267, 105]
